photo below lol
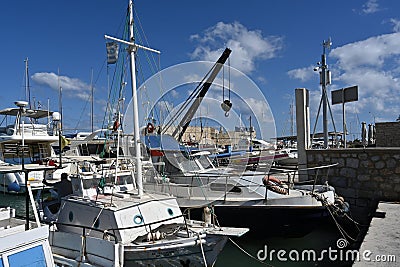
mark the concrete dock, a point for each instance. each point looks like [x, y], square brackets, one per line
[381, 245]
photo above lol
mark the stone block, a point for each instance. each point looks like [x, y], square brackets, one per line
[363, 156]
[363, 177]
[378, 179]
[341, 162]
[397, 188]
[366, 164]
[352, 163]
[369, 185]
[379, 165]
[386, 186]
[391, 163]
[319, 158]
[396, 179]
[387, 172]
[396, 156]
[365, 194]
[361, 202]
[337, 181]
[375, 158]
[348, 172]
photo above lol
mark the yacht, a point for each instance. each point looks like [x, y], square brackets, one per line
[237, 196]
[26, 136]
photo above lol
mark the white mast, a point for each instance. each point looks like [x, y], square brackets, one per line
[27, 88]
[135, 103]
[132, 49]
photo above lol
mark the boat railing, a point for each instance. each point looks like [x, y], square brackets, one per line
[150, 224]
[29, 129]
[85, 229]
[110, 231]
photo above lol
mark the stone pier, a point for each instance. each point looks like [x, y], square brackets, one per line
[363, 176]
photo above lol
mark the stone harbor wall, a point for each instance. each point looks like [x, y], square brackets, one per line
[387, 134]
[363, 176]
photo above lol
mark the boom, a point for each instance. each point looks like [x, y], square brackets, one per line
[184, 123]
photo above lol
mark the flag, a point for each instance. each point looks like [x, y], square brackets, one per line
[64, 142]
[112, 52]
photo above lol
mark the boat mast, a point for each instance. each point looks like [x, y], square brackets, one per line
[60, 103]
[132, 50]
[92, 100]
[27, 88]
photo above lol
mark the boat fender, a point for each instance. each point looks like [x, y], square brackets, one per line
[207, 215]
[13, 187]
[341, 204]
[155, 236]
[115, 125]
[52, 163]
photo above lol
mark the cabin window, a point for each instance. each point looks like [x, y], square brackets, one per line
[29, 257]
[187, 165]
[1, 262]
[124, 179]
[138, 219]
[170, 211]
[71, 216]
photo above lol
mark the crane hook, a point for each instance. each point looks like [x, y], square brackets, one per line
[226, 106]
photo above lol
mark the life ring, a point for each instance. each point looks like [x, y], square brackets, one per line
[150, 128]
[116, 125]
[274, 184]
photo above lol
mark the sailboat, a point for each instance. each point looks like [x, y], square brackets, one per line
[113, 222]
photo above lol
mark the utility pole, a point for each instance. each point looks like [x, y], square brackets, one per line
[325, 79]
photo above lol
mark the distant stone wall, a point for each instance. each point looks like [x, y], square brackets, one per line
[387, 134]
[363, 176]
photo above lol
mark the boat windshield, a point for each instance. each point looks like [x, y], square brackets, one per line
[95, 181]
[186, 164]
[124, 179]
[205, 162]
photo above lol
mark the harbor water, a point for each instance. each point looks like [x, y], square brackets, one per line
[292, 248]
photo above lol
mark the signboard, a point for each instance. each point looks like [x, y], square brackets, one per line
[344, 95]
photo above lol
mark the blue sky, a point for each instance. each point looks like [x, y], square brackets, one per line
[276, 43]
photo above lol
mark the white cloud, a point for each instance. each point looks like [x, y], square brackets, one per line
[372, 52]
[247, 45]
[372, 64]
[396, 25]
[371, 6]
[303, 74]
[70, 86]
